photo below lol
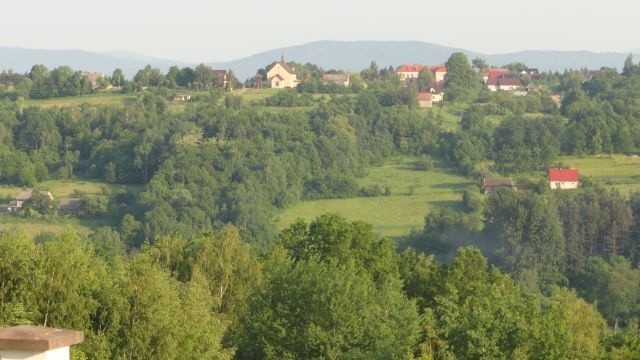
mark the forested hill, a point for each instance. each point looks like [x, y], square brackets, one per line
[345, 55]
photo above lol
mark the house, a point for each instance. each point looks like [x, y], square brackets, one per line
[182, 97]
[281, 76]
[493, 73]
[491, 184]
[16, 205]
[336, 79]
[70, 205]
[221, 78]
[533, 72]
[563, 179]
[409, 72]
[93, 78]
[425, 99]
[439, 71]
[504, 82]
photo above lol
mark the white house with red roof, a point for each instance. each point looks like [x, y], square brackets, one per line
[439, 71]
[563, 179]
[408, 71]
[506, 82]
[411, 71]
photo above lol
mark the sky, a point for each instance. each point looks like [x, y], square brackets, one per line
[222, 30]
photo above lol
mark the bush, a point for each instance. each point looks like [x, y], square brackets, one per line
[424, 163]
[372, 191]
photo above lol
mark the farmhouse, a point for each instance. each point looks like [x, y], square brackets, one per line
[504, 82]
[93, 78]
[17, 204]
[563, 179]
[281, 75]
[70, 205]
[221, 77]
[425, 99]
[336, 79]
[492, 184]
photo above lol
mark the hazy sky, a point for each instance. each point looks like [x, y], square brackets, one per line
[210, 30]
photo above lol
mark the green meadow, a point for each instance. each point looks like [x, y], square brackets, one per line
[52, 222]
[618, 171]
[103, 98]
[413, 194]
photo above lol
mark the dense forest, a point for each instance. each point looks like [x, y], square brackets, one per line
[194, 263]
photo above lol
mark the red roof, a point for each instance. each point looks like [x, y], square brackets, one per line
[425, 96]
[438, 68]
[505, 80]
[497, 71]
[410, 68]
[557, 174]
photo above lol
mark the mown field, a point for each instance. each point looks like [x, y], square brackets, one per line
[413, 194]
[618, 171]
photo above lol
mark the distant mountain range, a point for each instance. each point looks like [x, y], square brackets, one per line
[21, 60]
[344, 55]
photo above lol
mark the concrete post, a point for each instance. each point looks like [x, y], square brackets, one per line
[37, 343]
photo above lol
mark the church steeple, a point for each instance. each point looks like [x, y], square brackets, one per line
[282, 57]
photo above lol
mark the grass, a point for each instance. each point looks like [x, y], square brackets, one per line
[618, 171]
[250, 95]
[61, 189]
[54, 223]
[33, 227]
[413, 194]
[94, 99]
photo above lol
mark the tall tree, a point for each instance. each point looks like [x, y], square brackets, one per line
[463, 83]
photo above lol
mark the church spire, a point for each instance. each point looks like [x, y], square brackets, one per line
[282, 56]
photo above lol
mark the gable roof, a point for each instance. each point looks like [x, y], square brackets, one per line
[425, 96]
[286, 66]
[335, 78]
[504, 79]
[70, 204]
[558, 174]
[438, 68]
[497, 182]
[509, 80]
[409, 68]
[26, 195]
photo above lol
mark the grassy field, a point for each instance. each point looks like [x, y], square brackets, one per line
[53, 223]
[33, 227]
[250, 95]
[61, 189]
[413, 194]
[94, 99]
[619, 171]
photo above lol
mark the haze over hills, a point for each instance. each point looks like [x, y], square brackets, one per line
[357, 55]
[21, 60]
[345, 55]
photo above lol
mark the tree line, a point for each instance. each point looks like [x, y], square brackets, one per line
[329, 288]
